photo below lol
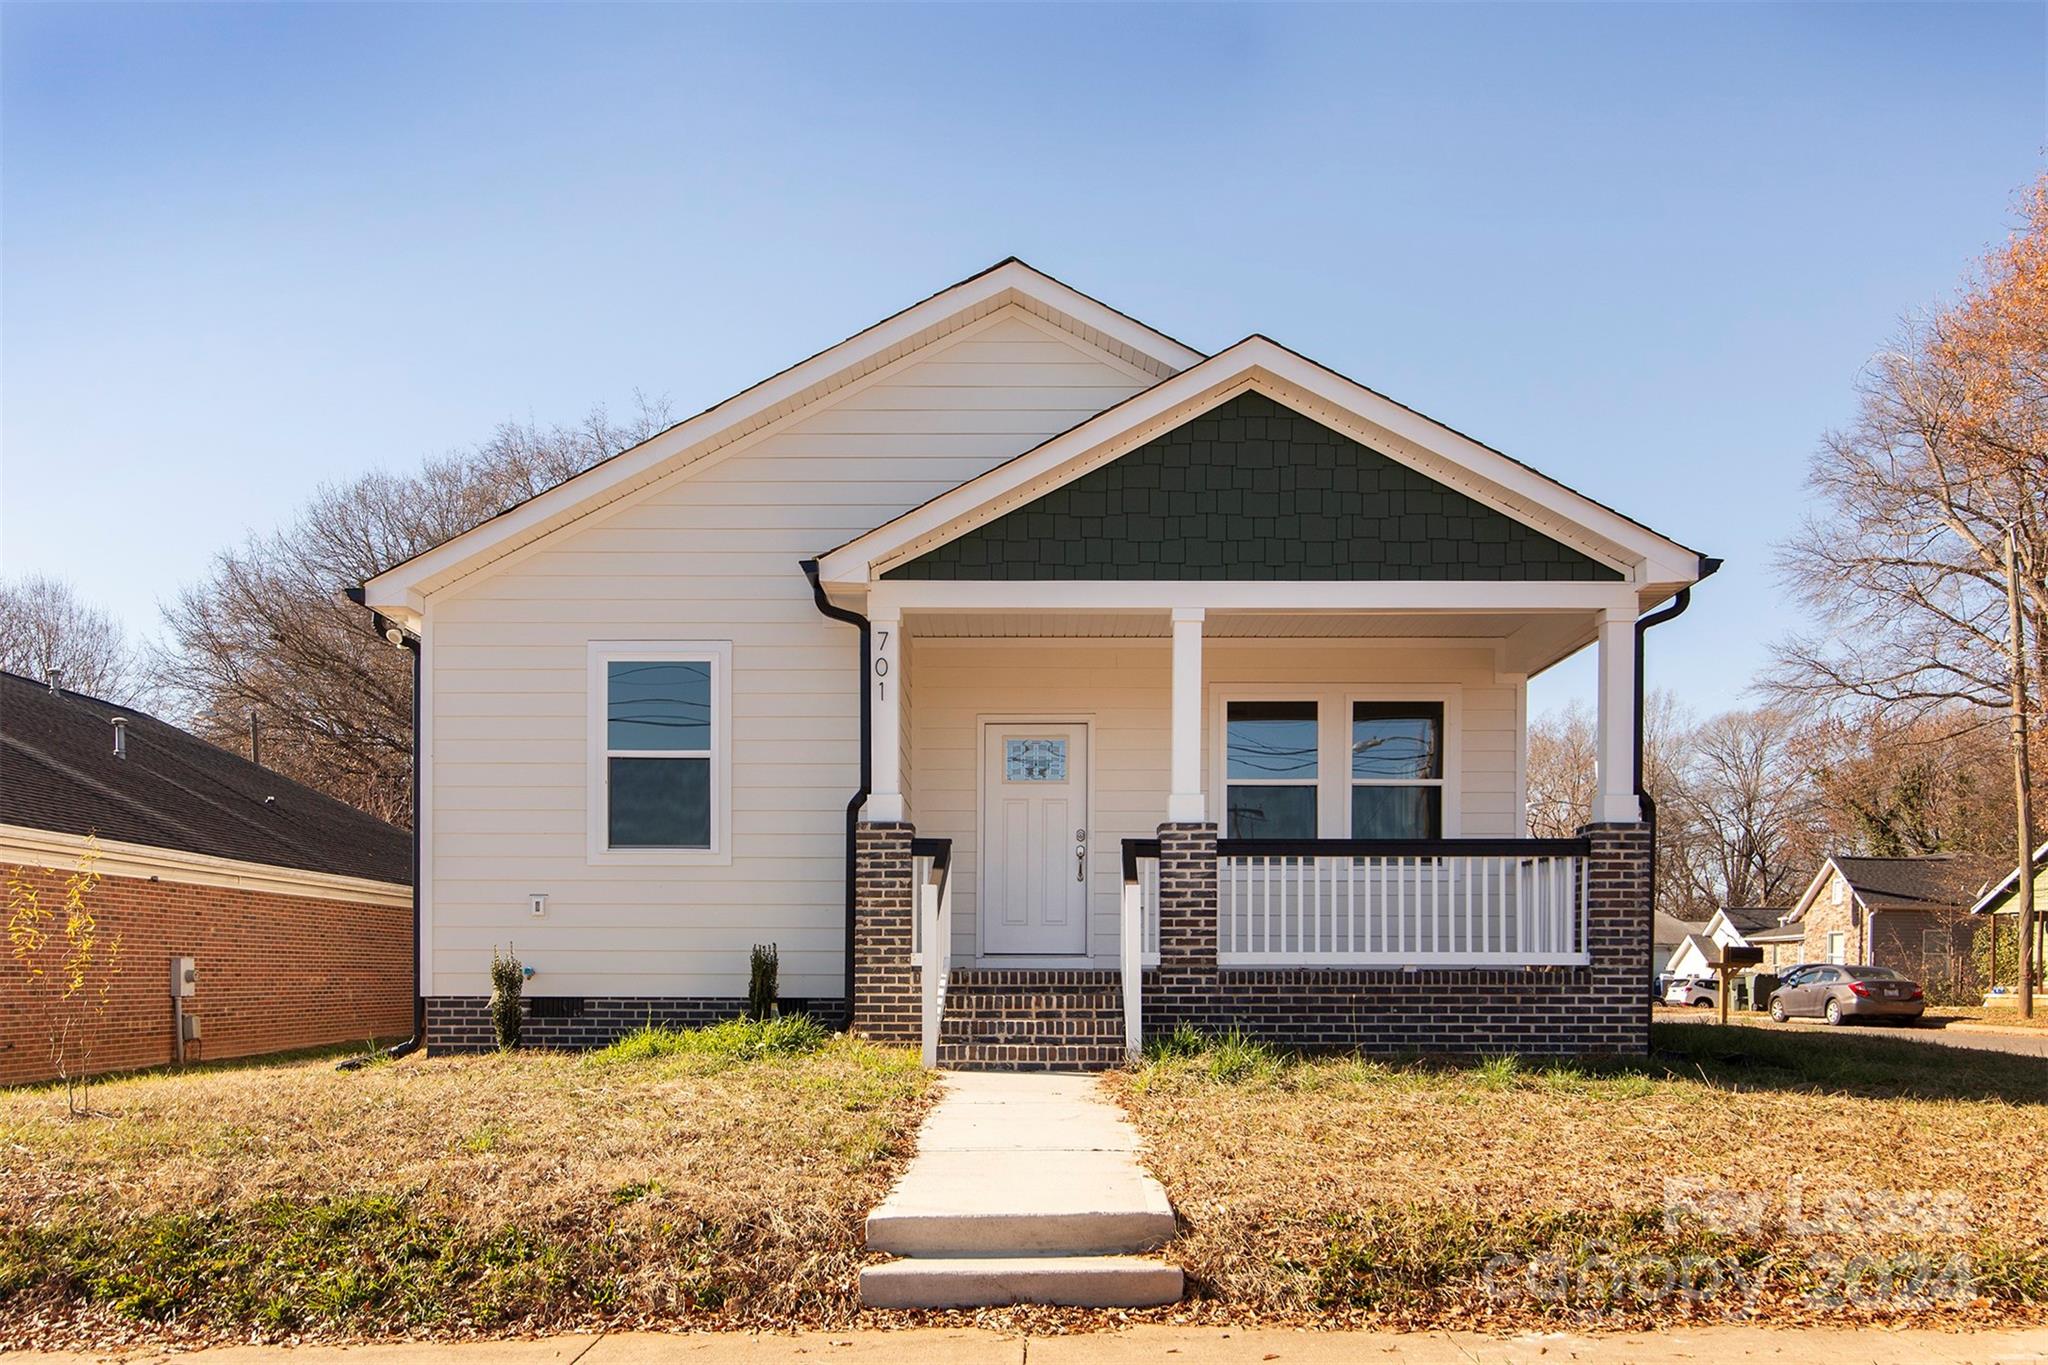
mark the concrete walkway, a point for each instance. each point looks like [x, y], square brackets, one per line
[1026, 1188]
[1154, 1345]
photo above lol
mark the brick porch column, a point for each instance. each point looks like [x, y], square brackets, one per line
[886, 1006]
[1183, 990]
[1618, 938]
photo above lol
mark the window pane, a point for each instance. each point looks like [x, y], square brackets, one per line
[1034, 760]
[1272, 739]
[1397, 812]
[658, 705]
[1272, 813]
[660, 802]
[1396, 740]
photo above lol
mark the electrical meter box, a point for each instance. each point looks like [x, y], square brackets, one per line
[184, 977]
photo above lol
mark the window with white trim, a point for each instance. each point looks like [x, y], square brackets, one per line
[1397, 770]
[1838, 946]
[1336, 762]
[659, 720]
[1270, 769]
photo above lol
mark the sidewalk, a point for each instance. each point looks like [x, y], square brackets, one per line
[1157, 1346]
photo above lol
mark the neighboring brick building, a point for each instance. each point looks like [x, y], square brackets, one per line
[296, 908]
[1909, 914]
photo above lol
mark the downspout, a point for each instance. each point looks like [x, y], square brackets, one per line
[867, 760]
[1708, 566]
[410, 641]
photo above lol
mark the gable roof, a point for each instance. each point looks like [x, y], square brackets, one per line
[1259, 364]
[400, 590]
[1668, 928]
[1749, 919]
[1934, 881]
[2002, 891]
[58, 772]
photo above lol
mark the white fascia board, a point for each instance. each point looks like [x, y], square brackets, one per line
[58, 851]
[1514, 489]
[1294, 598]
[398, 587]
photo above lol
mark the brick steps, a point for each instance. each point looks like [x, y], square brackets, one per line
[1029, 1020]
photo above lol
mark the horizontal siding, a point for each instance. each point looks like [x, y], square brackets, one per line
[710, 556]
[1125, 688]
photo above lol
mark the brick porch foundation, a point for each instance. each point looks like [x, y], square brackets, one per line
[1600, 1008]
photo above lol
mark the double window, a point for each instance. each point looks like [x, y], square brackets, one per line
[1388, 781]
[660, 716]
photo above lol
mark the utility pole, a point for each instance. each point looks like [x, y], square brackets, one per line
[2023, 891]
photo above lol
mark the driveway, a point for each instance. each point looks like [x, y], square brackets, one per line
[2016, 1042]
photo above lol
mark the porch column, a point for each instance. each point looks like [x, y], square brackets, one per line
[885, 737]
[1185, 803]
[1614, 761]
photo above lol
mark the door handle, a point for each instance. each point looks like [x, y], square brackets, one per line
[1080, 855]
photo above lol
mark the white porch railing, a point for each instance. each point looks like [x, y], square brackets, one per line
[1450, 902]
[931, 933]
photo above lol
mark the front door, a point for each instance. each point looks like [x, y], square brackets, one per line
[1034, 821]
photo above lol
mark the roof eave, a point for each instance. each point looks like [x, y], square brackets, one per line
[399, 590]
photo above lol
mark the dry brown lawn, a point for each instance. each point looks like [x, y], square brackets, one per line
[450, 1194]
[1348, 1188]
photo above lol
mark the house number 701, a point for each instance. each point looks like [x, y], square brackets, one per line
[882, 670]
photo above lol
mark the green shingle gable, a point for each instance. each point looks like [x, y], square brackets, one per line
[1254, 490]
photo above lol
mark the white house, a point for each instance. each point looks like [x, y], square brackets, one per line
[1035, 682]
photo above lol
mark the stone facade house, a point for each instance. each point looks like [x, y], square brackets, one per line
[1909, 914]
[1037, 683]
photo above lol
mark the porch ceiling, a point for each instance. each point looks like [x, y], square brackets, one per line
[1529, 642]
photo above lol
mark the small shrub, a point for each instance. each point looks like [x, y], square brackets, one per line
[508, 979]
[762, 968]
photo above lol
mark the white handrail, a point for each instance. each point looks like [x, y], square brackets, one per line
[1133, 964]
[934, 925]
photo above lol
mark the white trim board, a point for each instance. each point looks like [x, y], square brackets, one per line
[1257, 364]
[59, 852]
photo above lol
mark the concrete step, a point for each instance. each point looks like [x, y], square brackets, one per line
[991, 1281]
[1075, 1202]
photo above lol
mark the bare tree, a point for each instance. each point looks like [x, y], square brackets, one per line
[1746, 797]
[1903, 565]
[45, 629]
[268, 631]
[1561, 784]
[1561, 771]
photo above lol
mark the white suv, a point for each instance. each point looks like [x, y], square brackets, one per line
[1691, 990]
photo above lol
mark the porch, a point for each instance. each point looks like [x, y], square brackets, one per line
[1097, 825]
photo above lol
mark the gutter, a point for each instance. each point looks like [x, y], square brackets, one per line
[1707, 568]
[408, 640]
[867, 758]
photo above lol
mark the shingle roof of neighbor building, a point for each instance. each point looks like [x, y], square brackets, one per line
[1752, 918]
[1942, 881]
[58, 771]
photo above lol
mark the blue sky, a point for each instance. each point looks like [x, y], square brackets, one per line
[244, 249]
